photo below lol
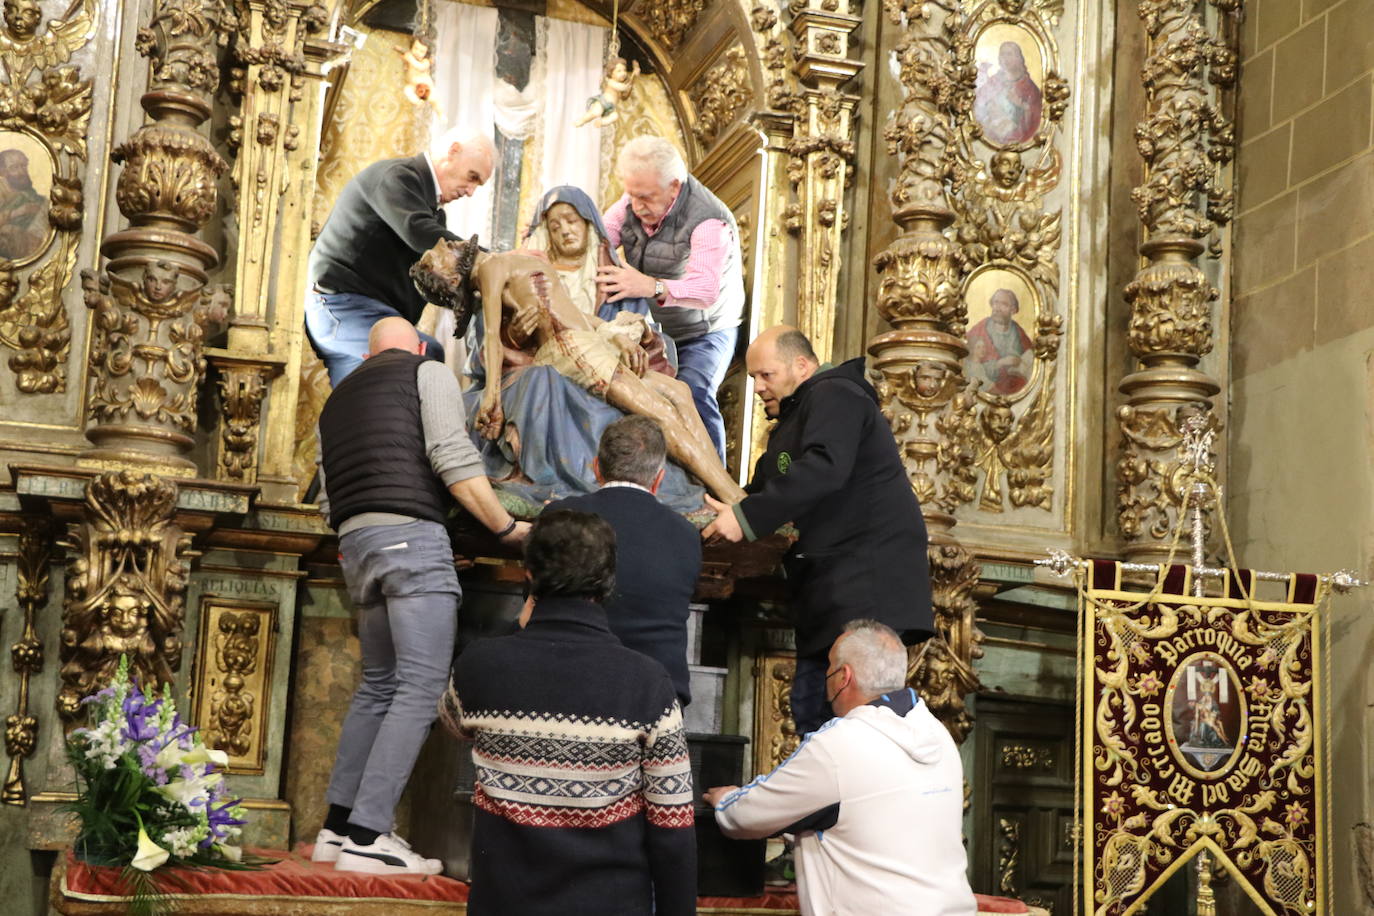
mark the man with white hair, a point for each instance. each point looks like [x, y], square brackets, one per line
[385, 218]
[682, 252]
[875, 796]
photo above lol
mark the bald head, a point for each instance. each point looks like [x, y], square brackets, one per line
[394, 333]
[779, 360]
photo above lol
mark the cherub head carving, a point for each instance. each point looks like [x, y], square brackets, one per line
[160, 280]
[1006, 168]
[22, 18]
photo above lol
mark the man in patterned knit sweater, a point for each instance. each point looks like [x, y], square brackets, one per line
[584, 788]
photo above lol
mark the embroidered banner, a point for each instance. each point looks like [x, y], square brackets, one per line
[1200, 733]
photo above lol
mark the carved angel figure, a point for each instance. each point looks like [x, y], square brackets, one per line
[419, 72]
[26, 46]
[601, 109]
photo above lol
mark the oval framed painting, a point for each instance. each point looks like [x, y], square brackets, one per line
[1002, 309]
[26, 174]
[1008, 98]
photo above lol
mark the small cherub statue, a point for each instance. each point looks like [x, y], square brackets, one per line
[419, 72]
[601, 109]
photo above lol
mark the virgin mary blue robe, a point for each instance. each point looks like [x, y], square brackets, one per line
[559, 422]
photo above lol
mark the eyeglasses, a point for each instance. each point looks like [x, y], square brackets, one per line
[828, 674]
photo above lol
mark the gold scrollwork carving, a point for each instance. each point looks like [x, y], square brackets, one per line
[775, 734]
[719, 96]
[179, 41]
[1027, 757]
[942, 669]
[126, 587]
[150, 314]
[1008, 855]
[21, 728]
[1150, 492]
[45, 110]
[146, 348]
[170, 174]
[669, 21]
[242, 389]
[232, 693]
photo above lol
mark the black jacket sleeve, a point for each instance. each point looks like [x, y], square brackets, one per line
[402, 200]
[832, 421]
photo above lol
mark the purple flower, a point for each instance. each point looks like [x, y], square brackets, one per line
[220, 818]
[140, 717]
[99, 696]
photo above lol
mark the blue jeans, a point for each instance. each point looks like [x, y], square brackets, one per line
[403, 586]
[810, 708]
[337, 325]
[701, 363]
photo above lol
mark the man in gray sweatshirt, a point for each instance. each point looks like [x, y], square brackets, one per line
[394, 449]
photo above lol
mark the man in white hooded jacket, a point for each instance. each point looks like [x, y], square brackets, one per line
[875, 796]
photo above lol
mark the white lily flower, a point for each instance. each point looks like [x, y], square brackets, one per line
[149, 855]
[232, 853]
[186, 791]
[202, 754]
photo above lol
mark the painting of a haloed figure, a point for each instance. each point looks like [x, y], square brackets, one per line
[1205, 710]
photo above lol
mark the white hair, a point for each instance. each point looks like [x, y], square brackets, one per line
[874, 652]
[651, 154]
[464, 137]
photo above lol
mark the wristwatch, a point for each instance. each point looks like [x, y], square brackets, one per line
[659, 290]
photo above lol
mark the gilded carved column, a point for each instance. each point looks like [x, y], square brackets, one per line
[1185, 141]
[269, 80]
[21, 728]
[279, 62]
[821, 158]
[150, 308]
[921, 384]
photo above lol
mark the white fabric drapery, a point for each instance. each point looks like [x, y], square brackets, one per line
[574, 61]
[465, 74]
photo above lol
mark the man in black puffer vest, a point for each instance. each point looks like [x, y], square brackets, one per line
[833, 470]
[394, 447]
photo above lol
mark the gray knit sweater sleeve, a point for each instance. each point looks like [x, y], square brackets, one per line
[451, 452]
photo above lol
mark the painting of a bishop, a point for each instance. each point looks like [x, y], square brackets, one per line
[1002, 353]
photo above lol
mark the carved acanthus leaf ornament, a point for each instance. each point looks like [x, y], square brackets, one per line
[669, 21]
[720, 95]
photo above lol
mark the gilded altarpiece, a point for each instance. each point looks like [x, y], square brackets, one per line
[1025, 144]
[1201, 736]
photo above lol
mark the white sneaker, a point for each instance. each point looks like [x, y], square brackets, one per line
[327, 845]
[389, 855]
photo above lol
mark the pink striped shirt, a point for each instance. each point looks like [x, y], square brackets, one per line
[699, 285]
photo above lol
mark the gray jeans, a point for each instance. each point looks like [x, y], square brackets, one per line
[403, 585]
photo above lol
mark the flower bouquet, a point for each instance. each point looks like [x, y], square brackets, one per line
[150, 791]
